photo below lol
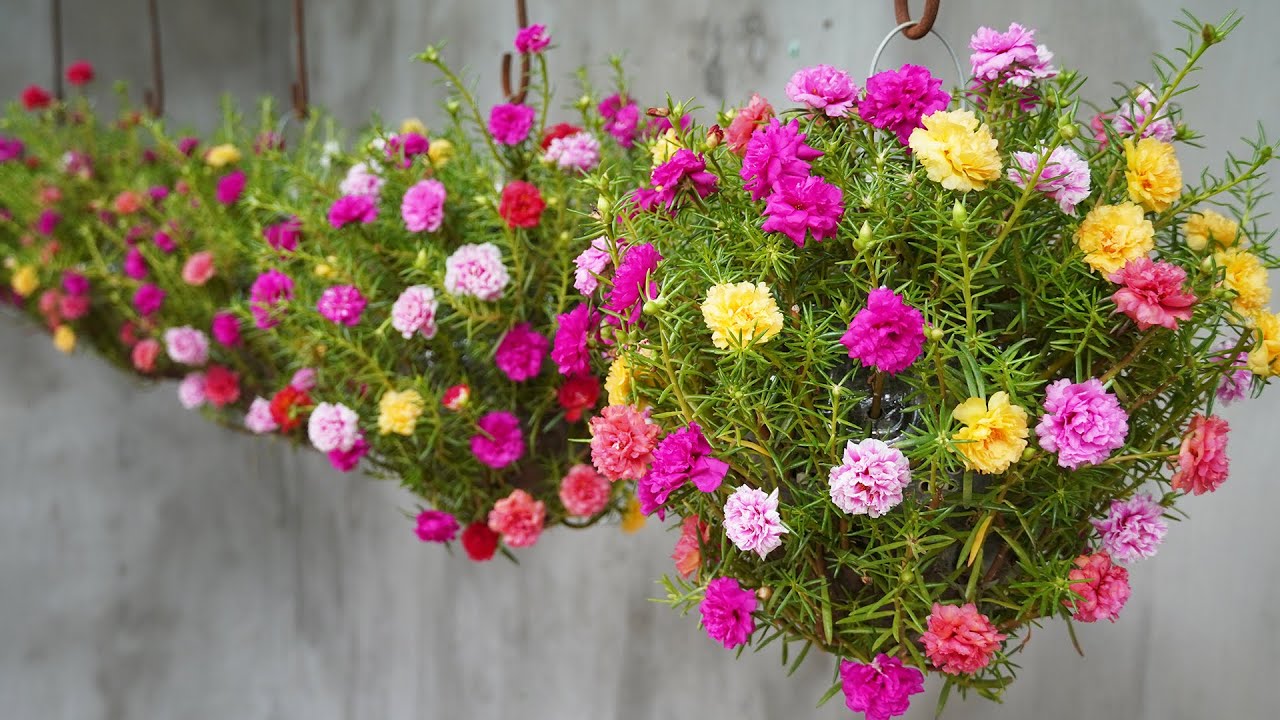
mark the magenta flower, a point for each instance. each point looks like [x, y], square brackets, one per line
[633, 283]
[1102, 587]
[726, 612]
[897, 99]
[11, 149]
[341, 304]
[500, 441]
[1152, 293]
[532, 39]
[683, 456]
[1083, 423]
[775, 152]
[751, 520]
[590, 264]
[573, 330]
[824, 89]
[685, 169]
[1133, 529]
[423, 206]
[48, 222]
[333, 426]
[157, 193]
[268, 291]
[347, 460]
[476, 271]
[164, 242]
[186, 345]
[871, 479]
[407, 146]
[73, 283]
[225, 328]
[887, 334]
[230, 186]
[1009, 57]
[1065, 177]
[519, 354]
[134, 265]
[415, 311]
[622, 119]
[510, 124]
[147, 299]
[352, 208]
[283, 236]
[802, 206]
[436, 526]
[881, 689]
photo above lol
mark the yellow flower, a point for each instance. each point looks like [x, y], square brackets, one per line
[440, 151]
[1155, 178]
[323, 270]
[956, 151]
[994, 433]
[25, 280]
[632, 518]
[665, 146]
[1247, 277]
[221, 155]
[619, 381]
[742, 312]
[399, 412]
[1264, 359]
[1208, 225]
[64, 338]
[1112, 235]
[413, 125]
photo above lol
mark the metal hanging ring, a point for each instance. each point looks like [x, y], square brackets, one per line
[916, 30]
[875, 59]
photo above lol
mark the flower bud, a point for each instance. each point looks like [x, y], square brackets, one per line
[1210, 35]
[1028, 453]
[764, 592]
[658, 112]
[583, 102]
[431, 54]
[714, 137]
[1067, 128]
[605, 206]
[565, 236]
[420, 262]
[452, 107]
[958, 215]
[863, 241]
[654, 305]
[906, 575]
[936, 334]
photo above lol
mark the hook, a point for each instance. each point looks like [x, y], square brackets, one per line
[902, 10]
[522, 19]
[301, 89]
[55, 16]
[154, 97]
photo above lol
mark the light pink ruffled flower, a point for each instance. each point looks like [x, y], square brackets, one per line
[583, 491]
[1083, 423]
[303, 380]
[752, 522]
[477, 271]
[1236, 384]
[1010, 57]
[1134, 113]
[422, 208]
[520, 352]
[415, 312]
[1133, 529]
[500, 441]
[198, 268]
[622, 442]
[726, 610]
[577, 153]
[342, 304]
[824, 89]
[333, 426]
[258, 419]
[591, 263]
[191, 391]
[1102, 587]
[871, 479]
[1202, 459]
[362, 180]
[1065, 177]
[187, 345]
[1152, 293]
[960, 640]
[518, 518]
[882, 688]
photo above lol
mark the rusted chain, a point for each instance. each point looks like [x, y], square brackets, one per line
[154, 96]
[301, 87]
[517, 96]
[902, 10]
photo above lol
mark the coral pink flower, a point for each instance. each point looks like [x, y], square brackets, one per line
[532, 39]
[1103, 588]
[804, 206]
[510, 124]
[518, 518]
[755, 113]
[578, 394]
[341, 304]
[1152, 293]
[887, 334]
[682, 456]
[960, 640]
[1133, 529]
[73, 307]
[1083, 423]
[521, 204]
[520, 352]
[422, 208]
[823, 88]
[583, 491]
[896, 100]
[726, 612]
[687, 554]
[1202, 460]
[622, 442]
[187, 345]
[500, 441]
[569, 350]
[871, 479]
[752, 522]
[436, 526]
[882, 689]
[415, 312]
[198, 268]
[144, 355]
[775, 152]
[479, 542]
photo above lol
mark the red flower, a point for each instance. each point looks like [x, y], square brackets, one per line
[521, 204]
[456, 397]
[80, 73]
[555, 132]
[577, 394]
[287, 407]
[221, 386]
[36, 98]
[479, 541]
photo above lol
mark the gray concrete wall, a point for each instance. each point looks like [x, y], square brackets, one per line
[154, 567]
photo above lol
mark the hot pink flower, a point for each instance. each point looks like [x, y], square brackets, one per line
[573, 330]
[897, 99]
[341, 304]
[687, 554]
[187, 345]
[1009, 57]
[1064, 179]
[1202, 460]
[144, 355]
[1103, 588]
[583, 491]
[960, 640]
[881, 689]
[519, 354]
[198, 268]
[630, 287]
[518, 518]
[622, 119]
[436, 526]
[347, 460]
[1083, 423]
[757, 112]
[268, 291]
[804, 206]
[134, 265]
[1152, 293]
[510, 124]
[73, 307]
[622, 442]
[726, 612]
[230, 186]
[752, 522]
[352, 208]
[225, 328]
[1133, 529]
[333, 426]
[823, 88]
[415, 312]
[283, 236]
[887, 334]
[423, 206]
[532, 39]
[682, 456]
[774, 153]
[685, 169]
[476, 270]
[871, 479]
[500, 441]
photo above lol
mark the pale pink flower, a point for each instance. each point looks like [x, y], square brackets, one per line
[187, 345]
[871, 479]
[476, 271]
[258, 419]
[752, 522]
[333, 426]
[191, 391]
[415, 312]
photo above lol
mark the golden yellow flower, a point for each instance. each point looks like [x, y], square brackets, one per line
[741, 314]
[413, 125]
[1112, 235]
[323, 270]
[619, 381]
[632, 518]
[440, 151]
[1208, 225]
[24, 280]
[1155, 178]
[398, 412]
[1264, 358]
[64, 338]
[994, 433]
[665, 146]
[956, 151]
[1247, 277]
[222, 155]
